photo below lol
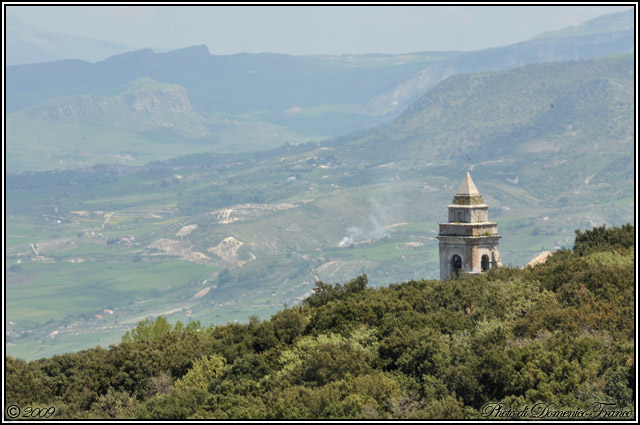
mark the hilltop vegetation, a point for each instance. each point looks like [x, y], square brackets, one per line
[561, 332]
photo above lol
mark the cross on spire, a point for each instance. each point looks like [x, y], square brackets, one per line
[467, 162]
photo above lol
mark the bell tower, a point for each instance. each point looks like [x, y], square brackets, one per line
[468, 242]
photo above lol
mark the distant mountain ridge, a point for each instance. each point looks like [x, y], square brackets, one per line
[274, 98]
[26, 44]
[594, 38]
[233, 83]
[242, 81]
[613, 22]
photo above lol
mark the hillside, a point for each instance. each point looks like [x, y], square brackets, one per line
[504, 113]
[560, 334]
[143, 121]
[539, 126]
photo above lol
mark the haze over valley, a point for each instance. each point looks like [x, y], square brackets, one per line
[216, 187]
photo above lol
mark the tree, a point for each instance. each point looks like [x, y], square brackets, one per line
[148, 330]
[202, 373]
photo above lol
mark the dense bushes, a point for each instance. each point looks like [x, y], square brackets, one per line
[561, 332]
[601, 238]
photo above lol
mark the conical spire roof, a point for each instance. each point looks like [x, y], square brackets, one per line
[467, 187]
[467, 193]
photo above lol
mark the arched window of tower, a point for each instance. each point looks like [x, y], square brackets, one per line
[485, 263]
[456, 265]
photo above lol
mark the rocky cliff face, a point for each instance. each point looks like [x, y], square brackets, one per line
[74, 107]
[173, 99]
[149, 108]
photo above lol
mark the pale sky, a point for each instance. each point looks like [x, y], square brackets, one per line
[308, 29]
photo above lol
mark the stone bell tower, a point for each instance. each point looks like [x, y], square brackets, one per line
[468, 241]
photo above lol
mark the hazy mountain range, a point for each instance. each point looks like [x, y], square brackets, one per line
[28, 44]
[251, 101]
